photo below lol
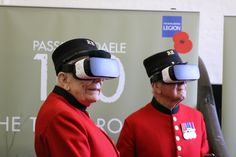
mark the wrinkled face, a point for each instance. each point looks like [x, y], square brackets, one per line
[85, 91]
[173, 92]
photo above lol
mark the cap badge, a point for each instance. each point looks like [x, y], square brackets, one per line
[170, 52]
[91, 42]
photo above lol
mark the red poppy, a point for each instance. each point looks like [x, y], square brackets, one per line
[182, 44]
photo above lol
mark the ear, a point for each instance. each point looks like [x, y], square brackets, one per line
[156, 87]
[64, 80]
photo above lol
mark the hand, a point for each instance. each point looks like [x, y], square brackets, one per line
[209, 155]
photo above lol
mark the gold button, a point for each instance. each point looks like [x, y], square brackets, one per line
[175, 119]
[176, 127]
[179, 148]
[177, 138]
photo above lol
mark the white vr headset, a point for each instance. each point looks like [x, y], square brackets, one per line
[94, 67]
[177, 73]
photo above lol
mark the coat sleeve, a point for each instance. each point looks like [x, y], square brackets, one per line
[126, 143]
[66, 137]
[204, 145]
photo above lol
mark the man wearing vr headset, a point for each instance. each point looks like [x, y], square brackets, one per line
[165, 127]
[63, 126]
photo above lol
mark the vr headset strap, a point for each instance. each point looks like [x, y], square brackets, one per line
[156, 77]
[70, 68]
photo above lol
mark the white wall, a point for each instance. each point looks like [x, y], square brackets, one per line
[211, 20]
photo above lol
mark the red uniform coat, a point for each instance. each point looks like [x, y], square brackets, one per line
[153, 132]
[64, 129]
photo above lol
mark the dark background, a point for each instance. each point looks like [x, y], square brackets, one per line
[217, 92]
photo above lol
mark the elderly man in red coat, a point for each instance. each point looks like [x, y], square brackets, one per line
[63, 126]
[165, 127]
